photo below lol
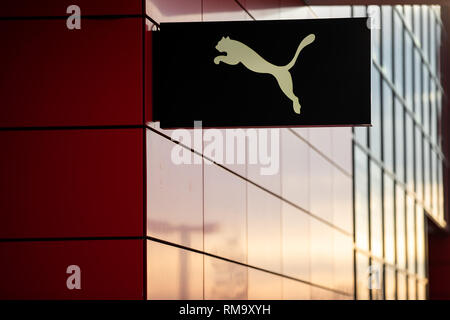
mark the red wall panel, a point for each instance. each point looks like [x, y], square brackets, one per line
[439, 242]
[439, 266]
[33, 8]
[148, 73]
[110, 269]
[71, 183]
[66, 184]
[53, 76]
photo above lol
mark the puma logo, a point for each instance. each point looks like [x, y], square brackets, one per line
[239, 52]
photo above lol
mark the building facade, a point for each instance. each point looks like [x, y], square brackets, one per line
[90, 182]
[399, 161]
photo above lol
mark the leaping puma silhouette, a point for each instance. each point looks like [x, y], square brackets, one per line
[239, 52]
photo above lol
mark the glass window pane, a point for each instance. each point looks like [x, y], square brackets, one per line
[321, 139]
[343, 262]
[416, 21]
[425, 28]
[419, 168]
[407, 12]
[399, 141]
[408, 71]
[411, 234]
[375, 130]
[263, 285]
[254, 173]
[422, 289]
[342, 200]
[173, 273]
[432, 35]
[409, 133]
[434, 184]
[433, 115]
[225, 214]
[439, 119]
[376, 36]
[438, 52]
[425, 99]
[376, 280]
[341, 139]
[295, 169]
[362, 277]
[361, 200]
[359, 11]
[180, 221]
[398, 53]
[264, 229]
[426, 173]
[389, 222]
[418, 85]
[388, 132]
[321, 248]
[224, 280]
[295, 290]
[295, 242]
[402, 294]
[376, 218]
[321, 294]
[441, 191]
[321, 186]
[389, 283]
[401, 227]
[361, 135]
[412, 288]
[386, 36]
[420, 238]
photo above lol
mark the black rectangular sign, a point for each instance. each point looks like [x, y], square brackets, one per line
[263, 73]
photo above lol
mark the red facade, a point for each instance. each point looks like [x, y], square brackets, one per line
[71, 183]
[74, 104]
[58, 77]
[72, 141]
[110, 269]
[439, 242]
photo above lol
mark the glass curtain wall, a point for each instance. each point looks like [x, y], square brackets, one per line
[398, 162]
